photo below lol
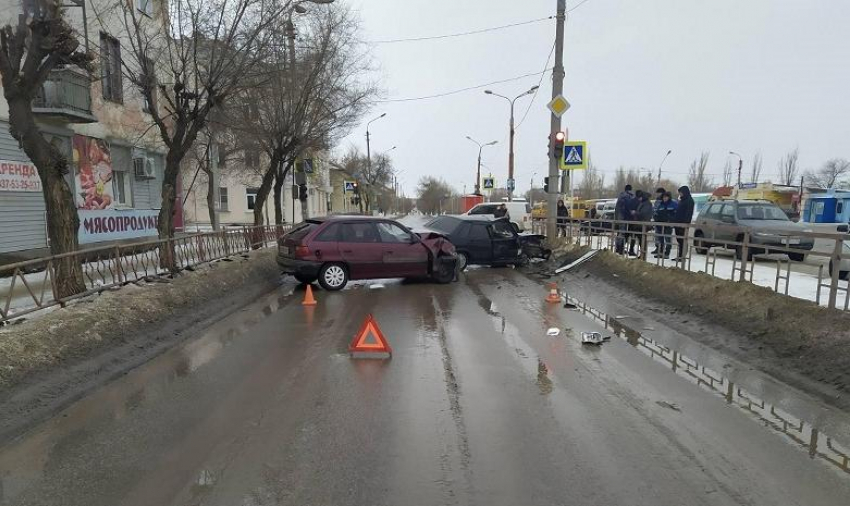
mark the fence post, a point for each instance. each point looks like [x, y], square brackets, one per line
[745, 250]
[118, 266]
[836, 272]
[643, 242]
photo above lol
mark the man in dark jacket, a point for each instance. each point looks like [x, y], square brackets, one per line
[684, 215]
[642, 213]
[659, 193]
[563, 214]
[623, 211]
[665, 212]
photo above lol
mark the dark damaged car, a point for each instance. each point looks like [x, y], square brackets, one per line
[484, 240]
[337, 249]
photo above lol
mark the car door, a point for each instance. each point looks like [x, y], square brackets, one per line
[506, 247]
[479, 245]
[706, 220]
[403, 254]
[361, 249]
[727, 231]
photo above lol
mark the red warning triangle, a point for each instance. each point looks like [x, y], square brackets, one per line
[370, 339]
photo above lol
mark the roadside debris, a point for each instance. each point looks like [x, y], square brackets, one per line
[668, 405]
[591, 338]
[584, 258]
[376, 286]
[553, 331]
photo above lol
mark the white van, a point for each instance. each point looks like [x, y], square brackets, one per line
[519, 212]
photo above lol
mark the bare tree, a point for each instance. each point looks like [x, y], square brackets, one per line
[787, 169]
[372, 179]
[593, 183]
[698, 180]
[305, 98]
[727, 173]
[42, 41]
[755, 172]
[831, 175]
[189, 64]
[433, 193]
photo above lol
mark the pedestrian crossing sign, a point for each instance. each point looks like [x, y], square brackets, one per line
[489, 183]
[350, 186]
[575, 155]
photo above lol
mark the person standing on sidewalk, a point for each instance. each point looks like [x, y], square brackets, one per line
[684, 215]
[659, 193]
[665, 212]
[563, 214]
[643, 213]
[623, 212]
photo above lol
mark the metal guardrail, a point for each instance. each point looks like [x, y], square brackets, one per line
[605, 234]
[30, 286]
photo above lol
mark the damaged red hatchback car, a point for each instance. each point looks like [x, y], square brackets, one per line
[336, 249]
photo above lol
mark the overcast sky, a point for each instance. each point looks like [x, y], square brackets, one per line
[642, 77]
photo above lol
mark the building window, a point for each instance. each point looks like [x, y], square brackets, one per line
[110, 62]
[149, 77]
[145, 7]
[251, 196]
[121, 188]
[222, 155]
[222, 199]
[252, 158]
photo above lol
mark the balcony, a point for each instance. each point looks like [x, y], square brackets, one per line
[65, 96]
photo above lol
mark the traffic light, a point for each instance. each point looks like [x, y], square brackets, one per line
[302, 192]
[545, 185]
[558, 144]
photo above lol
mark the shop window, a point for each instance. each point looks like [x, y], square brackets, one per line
[121, 188]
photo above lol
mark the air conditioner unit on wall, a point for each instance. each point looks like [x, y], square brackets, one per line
[144, 168]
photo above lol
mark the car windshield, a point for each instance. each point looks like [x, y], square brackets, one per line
[761, 212]
[302, 229]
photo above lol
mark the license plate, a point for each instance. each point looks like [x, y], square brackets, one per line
[793, 241]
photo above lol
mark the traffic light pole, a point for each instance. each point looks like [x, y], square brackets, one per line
[555, 125]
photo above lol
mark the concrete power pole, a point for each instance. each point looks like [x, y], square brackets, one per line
[555, 126]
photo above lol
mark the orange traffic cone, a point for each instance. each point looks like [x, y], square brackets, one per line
[553, 296]
[308, 297]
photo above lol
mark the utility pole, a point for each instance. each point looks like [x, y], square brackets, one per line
[740, 166]
[555, 124]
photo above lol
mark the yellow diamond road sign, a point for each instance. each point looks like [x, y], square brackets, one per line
[558, 106]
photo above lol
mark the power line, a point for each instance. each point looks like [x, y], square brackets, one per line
[470, 88]
[546, 66]
[463, 34]
[576, 6]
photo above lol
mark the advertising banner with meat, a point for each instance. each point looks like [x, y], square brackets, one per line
[94, 173]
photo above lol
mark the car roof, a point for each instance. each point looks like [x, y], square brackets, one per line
[471, 217]
[349, 217]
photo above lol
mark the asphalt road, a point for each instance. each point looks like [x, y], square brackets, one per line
[478, 406]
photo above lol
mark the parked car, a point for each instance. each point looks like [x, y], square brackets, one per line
[481, 239]
[767, 224]
[340, 248]
[519, 212]
[827, 245]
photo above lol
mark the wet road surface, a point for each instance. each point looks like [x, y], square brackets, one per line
[477, 406]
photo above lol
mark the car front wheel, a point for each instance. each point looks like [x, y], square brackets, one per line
[333, 277]
[796, 257]
[462, 260]
[841, 274]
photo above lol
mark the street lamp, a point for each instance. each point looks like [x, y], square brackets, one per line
[740, 166]
[531, 189]
[478, 173]
[662, 164]
[368, 147]
[511, 153]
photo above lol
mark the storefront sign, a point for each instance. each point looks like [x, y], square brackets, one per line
[114, 224]
[19, 177]
[94, 173]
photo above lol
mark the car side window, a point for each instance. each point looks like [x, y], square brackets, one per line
[485, 209]
[360, 232]
[392, 233]
[478, 232]
[330, 234]
[502, 229]
[727, 214]
[712, 212]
